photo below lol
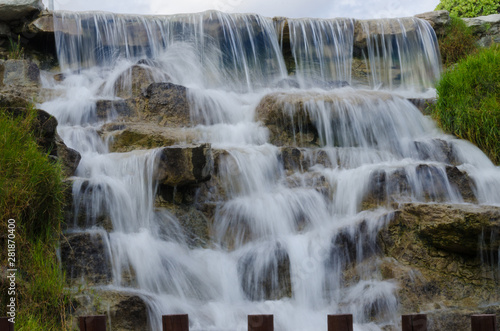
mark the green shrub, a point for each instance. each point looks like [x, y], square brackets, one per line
[468, 103]
[457, 42]
[469, 8]
[31, 192]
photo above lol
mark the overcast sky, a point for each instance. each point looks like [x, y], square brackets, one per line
[269, 8]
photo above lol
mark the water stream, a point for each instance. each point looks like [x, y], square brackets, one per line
[282, 236]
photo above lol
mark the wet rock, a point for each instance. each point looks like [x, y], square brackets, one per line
[106, 109]
[353, 245]
[83, 210]
[365, 29]
[293, 119]
[84, 258]
[436, 150]
[434, 185]
[11, 10]
[134, 81]
[302, 159]
[167, 104]
[19, 72]
[195, 225]
[128, 136]
[70, 158]
[288, 121]
[425, 105]
[184, 165]
[265, 275]
[438, 19]
[124, 311]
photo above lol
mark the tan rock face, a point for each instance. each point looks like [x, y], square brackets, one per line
[433, 251]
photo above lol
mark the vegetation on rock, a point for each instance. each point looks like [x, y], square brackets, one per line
[31, 192]
[469, 101]
[456, 42]
[470, 8]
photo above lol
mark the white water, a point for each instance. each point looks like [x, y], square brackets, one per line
[312, 217]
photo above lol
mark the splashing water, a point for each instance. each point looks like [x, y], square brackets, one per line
[283, 232]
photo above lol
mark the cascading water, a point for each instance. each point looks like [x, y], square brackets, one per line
[283, 233]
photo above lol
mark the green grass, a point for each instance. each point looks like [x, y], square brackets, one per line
[468, 103]
[16, 51]
[31, 192]
[457, 42]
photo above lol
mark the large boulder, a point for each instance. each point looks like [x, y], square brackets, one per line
[438, 19]
[487, 28]
[184, 165]
[11, 10]
[441, 256]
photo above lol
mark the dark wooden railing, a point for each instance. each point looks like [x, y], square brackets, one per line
[416, 322]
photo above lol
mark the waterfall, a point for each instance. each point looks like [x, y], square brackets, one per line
[309, 159]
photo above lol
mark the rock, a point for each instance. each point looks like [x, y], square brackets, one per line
[459, 229]
[84, 258]
[19, 72]
[184, 165]
[70, 158]
[44, 24]
[5, 30]
[425, 105]
[487, 28]
[106, 109]
[293, 118]
[265, 278]
[385, 187]
[134, 81]
[124, 311]
[17, 97]
[438, 19]
[11, 10]
[85, 207]
[167, 104]
[364, 29]
[195, 225]
[301, 159]
[433, 252]
[128, 136]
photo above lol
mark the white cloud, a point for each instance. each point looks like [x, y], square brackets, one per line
[289, 8]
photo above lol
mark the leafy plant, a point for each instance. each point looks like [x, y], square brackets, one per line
[469, 8]
[468, 103]
[16, 51]
[457, 42]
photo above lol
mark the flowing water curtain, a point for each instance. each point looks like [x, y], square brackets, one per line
[238, 51]
[400, 53]
[321, 49]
